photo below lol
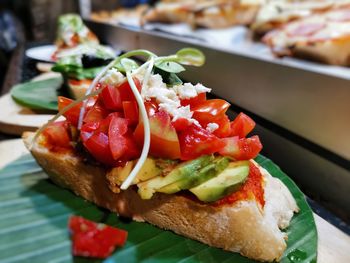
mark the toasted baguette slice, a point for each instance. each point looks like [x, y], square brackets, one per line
[243, 227]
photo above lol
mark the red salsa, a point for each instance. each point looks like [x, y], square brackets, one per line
[252, 188]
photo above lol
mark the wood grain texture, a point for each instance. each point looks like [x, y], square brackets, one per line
[333, 245]
[15, 119]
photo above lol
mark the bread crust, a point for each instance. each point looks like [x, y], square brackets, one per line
[243, 227]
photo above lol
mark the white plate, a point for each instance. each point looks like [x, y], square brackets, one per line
[43, 53]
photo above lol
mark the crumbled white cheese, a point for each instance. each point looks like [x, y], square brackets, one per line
[200, 88]
[188, 90]
[167, 98]
[212, 126]
[185, 91]
[113, 77]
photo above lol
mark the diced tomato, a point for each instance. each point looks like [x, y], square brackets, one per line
[126, 92]
[224, 129]
[151, 107]
[117, 141]
[98, 147]
[72, 115]
[104, 124]
[96, 113]
[181, 124]
[210, 110]
[241, 148]
[200, 98]
[242, 125]
[164, 140]
[95, 240]
[88, 129]
[57, 136]
[196, 141]
[111, 98]
[131, 111]
[133, 150]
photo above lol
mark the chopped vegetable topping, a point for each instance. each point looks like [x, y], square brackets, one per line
[94, 240]
[133, 112]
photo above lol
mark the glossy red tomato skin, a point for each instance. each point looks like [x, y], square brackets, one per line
[224, 129]
[96, 113]
[111, 97]
[117, 141]
[210, 110]
[72, 115]
[126, 93]
[131, 112]
[242, 125]
[133, 150]
[98, 147]
[88, 129]
[200, 98]
[90, 239]
[249, 147]
[164, 139]
[57, 136]
[241, 148]
[196, 141]
[181, 124]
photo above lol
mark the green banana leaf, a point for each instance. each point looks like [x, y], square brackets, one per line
[39, 94]
[34, 214]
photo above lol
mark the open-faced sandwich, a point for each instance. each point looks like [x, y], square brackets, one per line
[72, 32]
[204, 13]
[146, 145]
[324, 37]
[79, 56]
[80, 65]
[276, 13]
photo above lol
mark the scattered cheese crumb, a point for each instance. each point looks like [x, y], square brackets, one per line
[113, 77]
[212, 126]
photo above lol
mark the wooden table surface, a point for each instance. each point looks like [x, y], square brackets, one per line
[333, 244]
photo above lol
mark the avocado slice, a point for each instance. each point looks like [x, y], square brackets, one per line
[180, 172]
[197, 178]
[149, 170]
[227, 182]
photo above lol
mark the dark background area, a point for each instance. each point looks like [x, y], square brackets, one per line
[28, 21]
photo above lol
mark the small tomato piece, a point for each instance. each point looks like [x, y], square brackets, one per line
[242, 125]
[88, 129]
[72, 115]
[200, 98]
[131, 112]
[181, 124]
[98, 147]
[224, 129]
[111, 98]
[210, 110]
[117, 141]
[164, 140]
[96, 113]
[126, 93]
[241, 148]
[196, 141]
[90, 239]
[57, 136]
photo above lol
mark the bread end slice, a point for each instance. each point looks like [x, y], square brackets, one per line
[244, 227]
